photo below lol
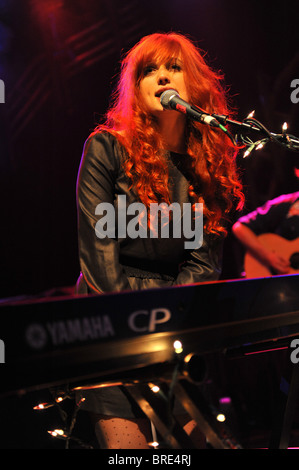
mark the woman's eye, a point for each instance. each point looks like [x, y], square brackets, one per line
[148, 69]
[176, 67]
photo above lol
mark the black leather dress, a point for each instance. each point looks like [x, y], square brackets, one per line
[125, 263]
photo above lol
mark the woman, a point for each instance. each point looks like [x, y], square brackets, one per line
[152, 155]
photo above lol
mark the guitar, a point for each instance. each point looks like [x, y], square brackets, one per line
[289, 249]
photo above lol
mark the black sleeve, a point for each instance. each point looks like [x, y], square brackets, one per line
[99, 257]
[203, 264]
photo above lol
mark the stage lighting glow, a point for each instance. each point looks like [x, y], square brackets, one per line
[154, 388]
[57, 433]
[178, 347]
[154, 444]
[250, 115]
[43, 406]
[220, 417]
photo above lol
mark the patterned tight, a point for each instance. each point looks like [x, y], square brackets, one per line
[120, 433]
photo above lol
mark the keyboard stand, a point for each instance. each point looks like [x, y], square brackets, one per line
[156, 407]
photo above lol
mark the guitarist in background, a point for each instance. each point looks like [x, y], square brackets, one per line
[279, 217]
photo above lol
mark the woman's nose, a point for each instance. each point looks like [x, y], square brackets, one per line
[163, 76]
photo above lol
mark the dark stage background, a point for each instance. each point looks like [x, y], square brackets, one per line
[59, 59]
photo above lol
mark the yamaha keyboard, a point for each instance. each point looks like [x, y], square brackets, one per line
[76, 339]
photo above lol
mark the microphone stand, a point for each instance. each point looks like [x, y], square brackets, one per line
[251, 125]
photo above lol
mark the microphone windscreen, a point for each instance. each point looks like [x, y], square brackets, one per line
[166, 97]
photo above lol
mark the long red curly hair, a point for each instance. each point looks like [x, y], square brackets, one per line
[212, 156]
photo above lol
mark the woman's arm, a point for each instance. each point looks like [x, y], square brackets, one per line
[203, 264]
[99, 257]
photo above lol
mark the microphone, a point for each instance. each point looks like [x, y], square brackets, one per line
[170, 99]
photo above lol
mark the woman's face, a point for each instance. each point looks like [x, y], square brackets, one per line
[157, 78]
